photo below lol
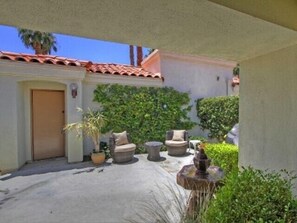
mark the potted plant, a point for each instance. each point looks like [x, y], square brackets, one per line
[91, 125]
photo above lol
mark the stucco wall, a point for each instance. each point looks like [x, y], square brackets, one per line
[268, 111]
[199, 76]
[16, 82]
[21, 121]
[17, 79]
[8, 124]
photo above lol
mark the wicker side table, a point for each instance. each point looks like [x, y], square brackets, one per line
[153, 149]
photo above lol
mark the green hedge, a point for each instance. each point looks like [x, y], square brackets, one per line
[145, 112]
[224, 156]
[254, 196]
[218, 115]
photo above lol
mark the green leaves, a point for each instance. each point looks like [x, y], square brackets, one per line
[218, 115]
[41, 42]
[224, 156]
[254, 196]
[91, 125]
[145, 112]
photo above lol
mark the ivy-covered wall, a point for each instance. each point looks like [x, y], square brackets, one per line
[218, 115]
[145, 112]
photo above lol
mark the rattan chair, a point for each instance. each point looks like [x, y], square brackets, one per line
[122, 153]
[176, 148]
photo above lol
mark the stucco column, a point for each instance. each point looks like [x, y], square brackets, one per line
[74, 145]
[8, 128]
[268, 111]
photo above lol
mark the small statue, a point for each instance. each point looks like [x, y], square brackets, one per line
[201, 162]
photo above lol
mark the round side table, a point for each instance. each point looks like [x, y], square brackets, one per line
[194, 143]
[153, 149]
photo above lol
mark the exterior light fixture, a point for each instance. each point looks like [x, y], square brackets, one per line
[73, 88]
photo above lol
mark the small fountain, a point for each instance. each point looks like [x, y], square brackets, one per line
[200, 177]
[201, 163]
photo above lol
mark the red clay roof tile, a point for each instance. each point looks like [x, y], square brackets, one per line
[114, 69]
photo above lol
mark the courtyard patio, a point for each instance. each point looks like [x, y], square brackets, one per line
[55, 191]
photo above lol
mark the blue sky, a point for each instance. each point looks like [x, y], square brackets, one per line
[72, 47]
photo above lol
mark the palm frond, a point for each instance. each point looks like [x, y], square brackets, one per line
[33, 39]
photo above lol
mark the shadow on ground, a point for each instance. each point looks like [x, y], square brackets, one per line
[48, 166]
[170, 163]
[134, 160]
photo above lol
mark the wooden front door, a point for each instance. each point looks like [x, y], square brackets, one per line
[47, 124]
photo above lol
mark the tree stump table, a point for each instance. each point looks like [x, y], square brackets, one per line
[201, 187]
[153, 149]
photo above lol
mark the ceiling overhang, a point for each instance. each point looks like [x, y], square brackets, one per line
[189, 27]
[283, 13]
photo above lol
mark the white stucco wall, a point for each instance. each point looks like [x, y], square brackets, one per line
[17, 79]
[8, 124]
[268, 111]
[199, 76]
[21, 122]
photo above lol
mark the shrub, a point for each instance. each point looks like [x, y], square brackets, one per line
[218, 115]
[224, 156]
[254, 196]
[145, 112]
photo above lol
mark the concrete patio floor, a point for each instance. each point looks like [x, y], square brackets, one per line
[54, 191]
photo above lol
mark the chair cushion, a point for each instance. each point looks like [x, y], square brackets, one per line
[121, 138]
[175, 143]
[178, 135]
[125, 148]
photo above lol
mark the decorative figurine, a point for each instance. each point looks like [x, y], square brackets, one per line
[201, 162]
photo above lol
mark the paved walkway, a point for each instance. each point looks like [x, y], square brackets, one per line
[54, 191]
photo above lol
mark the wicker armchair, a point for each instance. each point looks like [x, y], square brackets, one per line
[176, 148]
[121, 153]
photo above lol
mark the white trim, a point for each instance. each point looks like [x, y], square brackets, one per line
[41, 71]
[150, 57]
[125, 80]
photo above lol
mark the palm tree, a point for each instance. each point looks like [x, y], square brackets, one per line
[139, 56]
[41, 42]
[131, 47]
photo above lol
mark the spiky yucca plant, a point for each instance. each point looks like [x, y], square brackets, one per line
[170, 204]
[91, 125]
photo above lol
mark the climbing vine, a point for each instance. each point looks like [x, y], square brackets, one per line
[145, 112]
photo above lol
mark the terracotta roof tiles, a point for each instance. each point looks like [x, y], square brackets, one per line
[114, 69]
[124, 70]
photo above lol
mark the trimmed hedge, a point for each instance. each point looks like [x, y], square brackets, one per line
[145, 112]
[218, 115]
[254, 196]
[224, 156]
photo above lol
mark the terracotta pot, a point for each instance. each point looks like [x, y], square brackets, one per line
[98, 158]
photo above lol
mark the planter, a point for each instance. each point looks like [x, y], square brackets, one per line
[98, 158]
